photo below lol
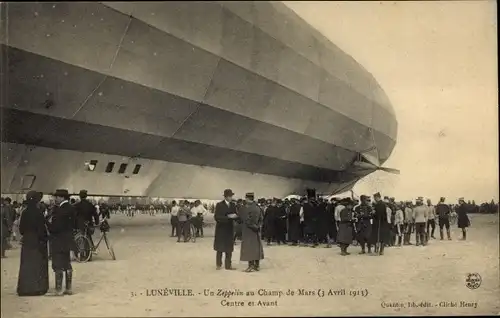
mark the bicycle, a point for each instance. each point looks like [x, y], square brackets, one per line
[85, 248]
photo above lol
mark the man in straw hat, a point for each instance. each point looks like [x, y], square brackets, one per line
[225, 214]
[61, 225]
[251, 244]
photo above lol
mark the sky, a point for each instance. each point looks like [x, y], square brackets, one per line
[437, 62]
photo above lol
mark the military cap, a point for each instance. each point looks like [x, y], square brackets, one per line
[250, 195]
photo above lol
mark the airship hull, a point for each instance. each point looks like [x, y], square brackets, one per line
[202, 95]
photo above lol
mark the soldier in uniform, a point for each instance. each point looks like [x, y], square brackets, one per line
[463, 221]
[381, 227]
[364, 215]
[344, 237]
[251, 244]
[443, 213]
[225, 214]
[61, 225]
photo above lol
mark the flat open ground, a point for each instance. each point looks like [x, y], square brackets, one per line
[149, 259]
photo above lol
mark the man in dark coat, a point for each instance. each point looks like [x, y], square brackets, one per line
[225, 214]
[443, 212]
[310, 221]
[5, 227]
[364, 215]
[8, 217]
[463, 221]
[322, 227]
[294, 223]
[33, 279]
[251, 244]
[270, 217]
[280, 223]
[332, 223]
[61, 225]
[381, 226]
[86, 216]
[345, 227]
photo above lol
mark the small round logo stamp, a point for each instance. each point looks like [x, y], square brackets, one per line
[473, 280]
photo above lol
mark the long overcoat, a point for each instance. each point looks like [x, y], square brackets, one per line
[462, 217]
[381, 228]
[224, 227]
[294, 223]
[251, 245]
[33, 276]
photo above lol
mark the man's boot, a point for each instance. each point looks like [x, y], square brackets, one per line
[464, 234]
[423, 239]
[399, 240]
[256, 265]
[417, 239]
[381, 249]
[448, 234]
[362, 249]
[441, 234]
[69, 281]
[59, 280]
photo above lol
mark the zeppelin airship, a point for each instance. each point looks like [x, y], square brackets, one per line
[183, 99]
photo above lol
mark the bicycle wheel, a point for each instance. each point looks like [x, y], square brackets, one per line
[111, 251]
[83, 251]
[192, 231]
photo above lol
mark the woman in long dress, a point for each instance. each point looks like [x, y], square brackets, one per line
[33, 277]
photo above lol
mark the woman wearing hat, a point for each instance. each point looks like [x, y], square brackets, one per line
[33, 277]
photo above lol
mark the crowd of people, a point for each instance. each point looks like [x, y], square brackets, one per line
[306, 221]
[39, 224]
[312, 220]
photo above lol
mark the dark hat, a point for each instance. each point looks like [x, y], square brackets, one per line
[364, 197]
[34, 196]
[250, 195]
[82, 194]
[377, 195]
[461, 199]
[61, 193]
[443, 198]
[228, 193]
[420, 198]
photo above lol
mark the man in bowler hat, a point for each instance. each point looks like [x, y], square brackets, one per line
[225, 214]
[61, 225]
